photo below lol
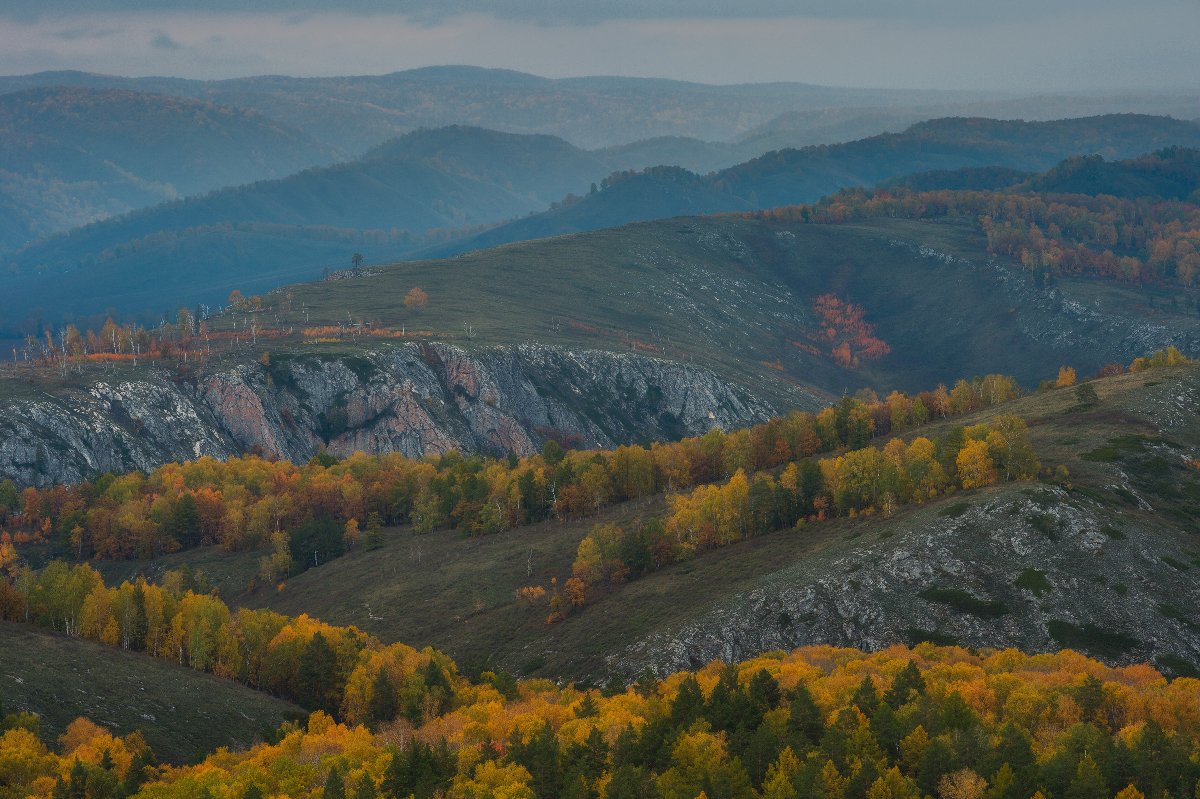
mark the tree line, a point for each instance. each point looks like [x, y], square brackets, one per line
[1130, 240]
[340, 670]
[862, 481]
[303, 515]
[821, 721]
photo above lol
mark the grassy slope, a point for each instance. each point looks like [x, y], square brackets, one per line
[732, 294]
[183, 714]
[457, 593]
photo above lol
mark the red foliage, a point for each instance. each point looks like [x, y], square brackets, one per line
[844, 328]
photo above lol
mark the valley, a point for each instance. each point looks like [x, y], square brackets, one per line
[457, 432]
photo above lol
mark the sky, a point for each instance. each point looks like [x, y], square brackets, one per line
[1010, 45]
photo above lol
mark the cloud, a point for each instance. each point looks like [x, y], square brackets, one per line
[85, 32]
[162, 41]
[1114, 49]
[595, 11]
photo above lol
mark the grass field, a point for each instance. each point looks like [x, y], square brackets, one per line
[184, 714]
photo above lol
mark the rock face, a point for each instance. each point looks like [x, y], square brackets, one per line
[414, 399]
[1029, 568]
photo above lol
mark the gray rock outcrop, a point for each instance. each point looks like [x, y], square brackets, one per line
[414, 399]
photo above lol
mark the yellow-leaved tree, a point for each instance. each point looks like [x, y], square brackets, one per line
[1066, 377]
[974, 464]
[416, 299]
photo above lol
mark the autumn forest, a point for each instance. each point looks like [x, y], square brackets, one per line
[761, 401]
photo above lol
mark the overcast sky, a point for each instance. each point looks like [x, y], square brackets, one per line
[1023, 45]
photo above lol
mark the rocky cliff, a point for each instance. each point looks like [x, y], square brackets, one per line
[1030, 569]
[1107, 564]
[412, 398]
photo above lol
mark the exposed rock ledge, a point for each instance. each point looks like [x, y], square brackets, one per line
[869, 595]
[413, 399]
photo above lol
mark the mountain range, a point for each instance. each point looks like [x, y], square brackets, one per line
[72, 155]
[400, 198]
[579, 383]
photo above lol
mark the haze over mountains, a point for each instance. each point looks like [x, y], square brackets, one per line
[427, 403]
[421, 194]
[72, 155]
[77, 148]
[697, 126]
[797, 176]
[356, 112]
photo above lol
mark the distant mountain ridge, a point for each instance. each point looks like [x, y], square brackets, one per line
[260, 235]
[796, 176]
[71, 155]
[354, 113]
[390, 202]
[147, 142]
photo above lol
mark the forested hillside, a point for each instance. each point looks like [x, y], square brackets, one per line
[1172, 173]
[600, 545]
[818, 721]
[393, 720]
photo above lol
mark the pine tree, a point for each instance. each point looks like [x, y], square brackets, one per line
[893, 785]
[541, 756]
[335, 785]
[136, 774]
[688, 704]
[587, 707]
[1089, 782]
[384, 703]
[956, 714]
[138, 624]
[908, 683]
[866, 698]
[630, 782]
[373, 536]
[763, 692]
[805, 722]
[317, 674]
[365, 789]
[77, 781]
[1090, 696]
[1003, 785]
[936, 761]
[438, 686]
[780, 782]
[726, 704]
